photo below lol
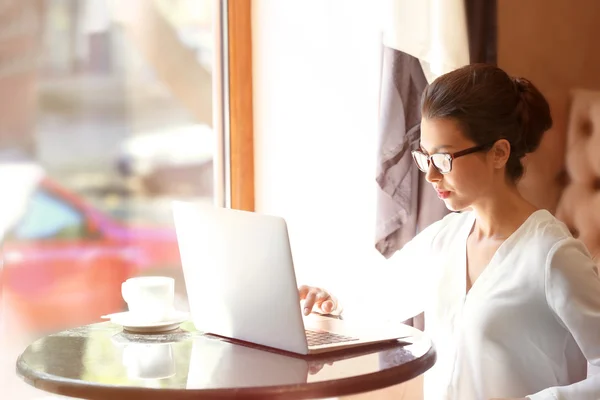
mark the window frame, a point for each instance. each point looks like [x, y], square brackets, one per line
[234, 174]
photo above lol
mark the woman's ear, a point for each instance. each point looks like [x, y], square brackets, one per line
[500, 153]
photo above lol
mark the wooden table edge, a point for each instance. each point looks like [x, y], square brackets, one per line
[330, 388]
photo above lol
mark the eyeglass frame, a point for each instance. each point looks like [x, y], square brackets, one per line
[450, 156]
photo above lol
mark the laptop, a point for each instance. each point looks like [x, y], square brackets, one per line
[241, 284]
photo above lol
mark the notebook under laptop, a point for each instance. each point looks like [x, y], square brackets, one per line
[241, 283]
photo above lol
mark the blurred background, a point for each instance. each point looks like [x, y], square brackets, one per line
[106, 117]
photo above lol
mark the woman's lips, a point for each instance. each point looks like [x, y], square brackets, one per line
[443, 194]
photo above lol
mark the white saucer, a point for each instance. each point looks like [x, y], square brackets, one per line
[132, 324]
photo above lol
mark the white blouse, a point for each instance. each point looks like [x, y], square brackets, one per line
[527, 326]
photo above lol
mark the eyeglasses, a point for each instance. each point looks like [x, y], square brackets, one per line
[443, 161]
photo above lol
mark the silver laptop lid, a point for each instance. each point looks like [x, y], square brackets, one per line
[239, 275]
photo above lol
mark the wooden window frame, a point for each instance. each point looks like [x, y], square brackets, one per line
[236, 111]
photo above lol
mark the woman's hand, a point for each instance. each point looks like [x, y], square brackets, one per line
[318, 298]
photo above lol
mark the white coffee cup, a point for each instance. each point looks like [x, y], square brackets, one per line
[149, 298]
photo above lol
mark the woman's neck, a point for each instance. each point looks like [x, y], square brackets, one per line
[498, 216]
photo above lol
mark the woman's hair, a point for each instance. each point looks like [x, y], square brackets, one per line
[490, 105]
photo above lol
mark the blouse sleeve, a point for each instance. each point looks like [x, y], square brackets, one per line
[573, 293]
[394, 290]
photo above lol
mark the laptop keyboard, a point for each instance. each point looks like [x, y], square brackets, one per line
[319, 338]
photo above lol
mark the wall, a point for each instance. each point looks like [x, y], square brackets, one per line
[316, 90]
[554, 43]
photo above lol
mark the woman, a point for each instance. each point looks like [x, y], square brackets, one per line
[514, 306]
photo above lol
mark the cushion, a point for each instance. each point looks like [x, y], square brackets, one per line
[579, 204]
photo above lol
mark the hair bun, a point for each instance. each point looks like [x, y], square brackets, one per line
[533, 111]
[521, 84]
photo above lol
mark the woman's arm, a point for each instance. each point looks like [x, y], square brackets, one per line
[573, 293]
[395, 289]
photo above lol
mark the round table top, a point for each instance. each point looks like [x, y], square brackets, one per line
[102, 361]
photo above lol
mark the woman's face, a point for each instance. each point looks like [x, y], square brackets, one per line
[472, 175]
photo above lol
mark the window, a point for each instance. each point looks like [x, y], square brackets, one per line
[116, 101]
[118, 112]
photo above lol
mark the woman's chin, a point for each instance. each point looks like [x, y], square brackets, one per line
[453, 205]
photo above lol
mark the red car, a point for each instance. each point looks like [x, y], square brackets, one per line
[64, 260]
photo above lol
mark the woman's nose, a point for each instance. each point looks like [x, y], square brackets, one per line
[432, 174]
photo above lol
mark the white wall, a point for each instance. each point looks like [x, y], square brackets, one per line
[316, 90]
